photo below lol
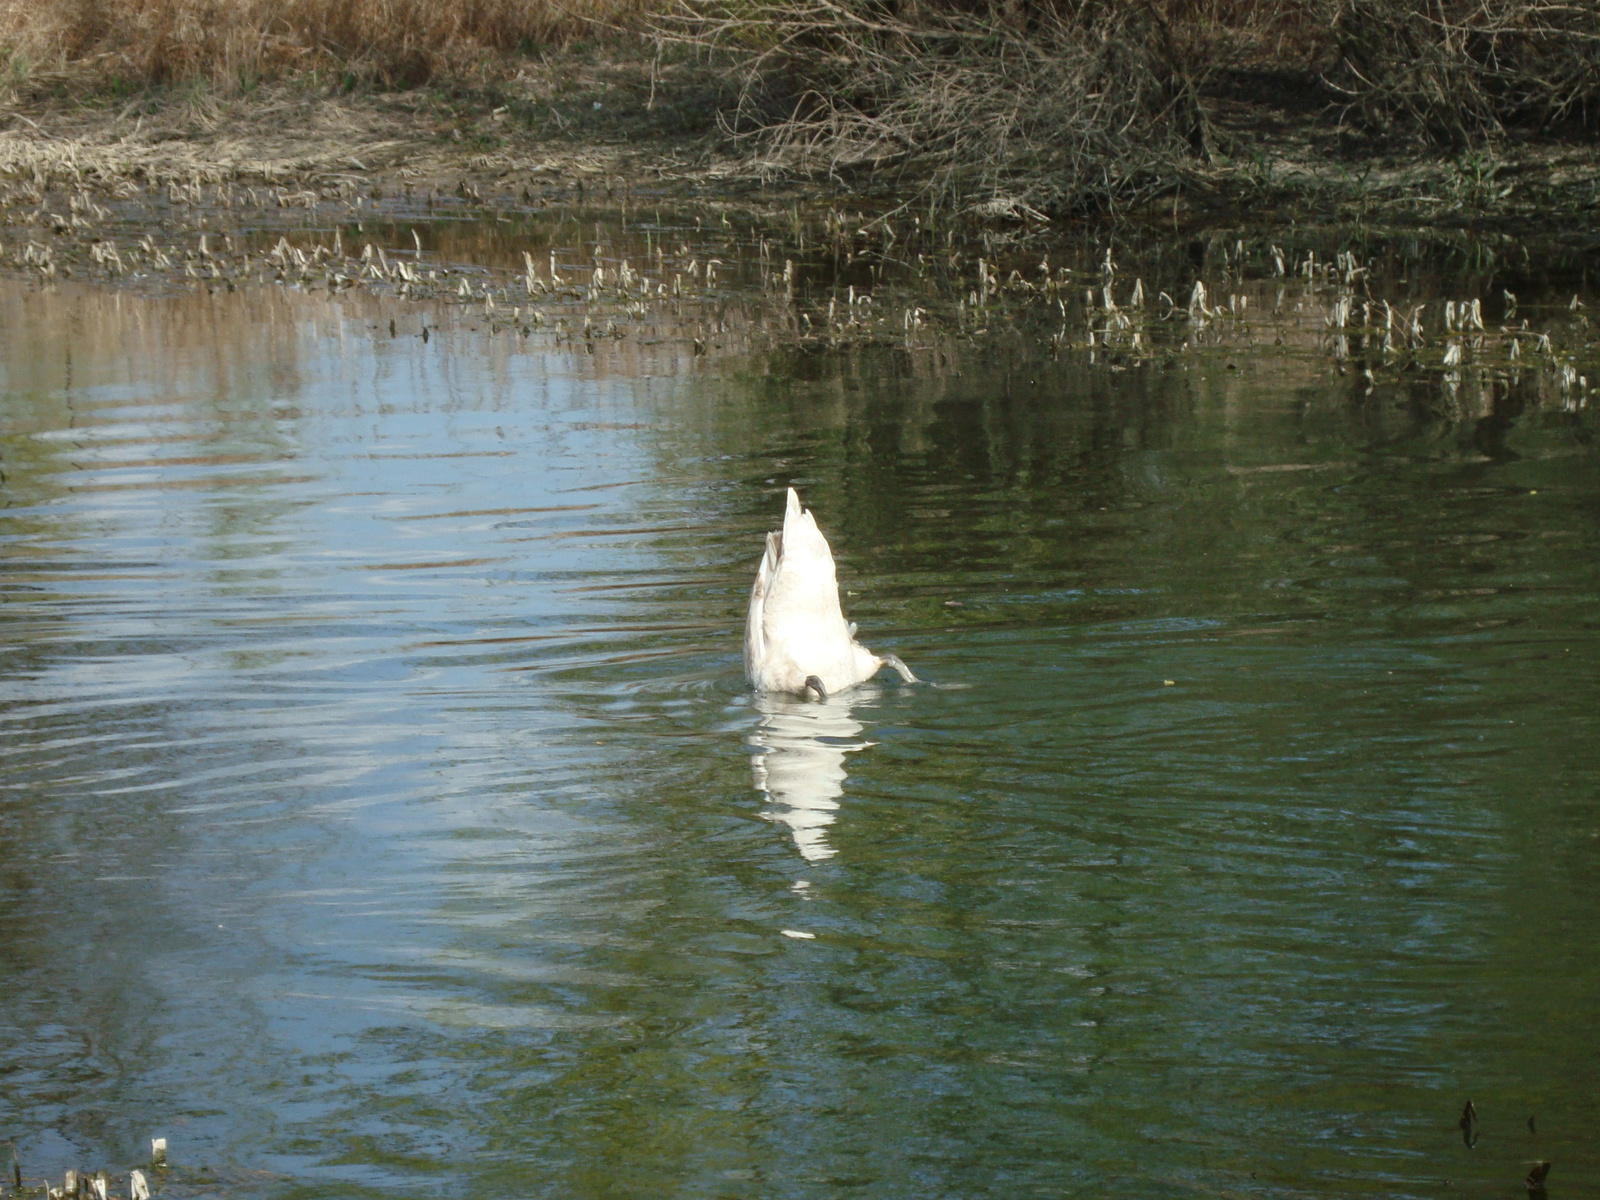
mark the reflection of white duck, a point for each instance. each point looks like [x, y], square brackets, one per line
[795, 638]
[799, 764]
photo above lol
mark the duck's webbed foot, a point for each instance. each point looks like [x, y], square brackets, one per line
[893, 660]
[815, 684]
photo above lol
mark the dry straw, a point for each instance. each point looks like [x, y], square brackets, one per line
[1013, 104]
[231, 42]
[1460, 71]
[1019, 104]
[1088, 103]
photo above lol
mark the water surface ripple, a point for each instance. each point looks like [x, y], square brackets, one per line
[383, 811]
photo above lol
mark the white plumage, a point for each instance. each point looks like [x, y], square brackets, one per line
[796, 639]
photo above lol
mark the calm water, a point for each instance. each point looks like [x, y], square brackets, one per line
[384, 812]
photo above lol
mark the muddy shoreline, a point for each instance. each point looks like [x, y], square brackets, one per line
[615, 134]
[601, 226]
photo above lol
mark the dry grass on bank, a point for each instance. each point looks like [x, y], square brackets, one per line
[1458, 71]
[1054, 104]
[389, 43]
[1041, 103]
[1068, 104]
[1093, 103]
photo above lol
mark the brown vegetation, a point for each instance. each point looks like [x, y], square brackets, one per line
[1461, 70]
[1065, 103]
[1003, 105]
[237, 42]
[1016, 102]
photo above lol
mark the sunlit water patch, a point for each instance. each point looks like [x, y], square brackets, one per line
[385, 813]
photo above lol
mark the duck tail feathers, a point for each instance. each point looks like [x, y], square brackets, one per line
[755, 634]
[800, 532]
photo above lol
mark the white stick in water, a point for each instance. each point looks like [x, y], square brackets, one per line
[138, 1187]
[158, 1152]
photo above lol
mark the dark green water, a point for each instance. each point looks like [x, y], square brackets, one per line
[380, 808]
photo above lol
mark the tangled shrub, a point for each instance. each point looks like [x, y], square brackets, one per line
[1463, 70]
[1068, 104]
[1081, 103]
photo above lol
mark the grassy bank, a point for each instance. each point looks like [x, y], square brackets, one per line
[1009, 108]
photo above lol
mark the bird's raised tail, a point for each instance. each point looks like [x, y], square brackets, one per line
[796, 638]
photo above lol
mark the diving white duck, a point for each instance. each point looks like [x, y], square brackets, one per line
[796, 639]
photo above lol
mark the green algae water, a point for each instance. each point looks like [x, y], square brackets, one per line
[384, 812]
